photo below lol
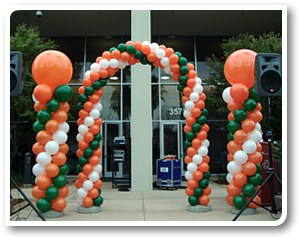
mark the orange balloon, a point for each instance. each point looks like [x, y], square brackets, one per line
[200, 104]
[232, 105]
[64, 148]
[256, 199]
[83, 114]
[98, 184]
[106, 55]
[255, 115]
[233, 190]
[197, 175]
[204, 200]
[207, 190]
[239, 67]
[239, 179]
[43, 137]
[192, 184]
[52, 68]
[203, 167]
[240, 136]
[94, 76]
[87, 169]
[187, 91]
[52, 170]
[239, 92]
[82, 145]
[230, 116]
[196, 112]
[125, 57]
[191, 82]
[81, 90]
[98, 152]
[60, 116]
[192, 73]
[64, 191]
[232, 147]
[205, 128]
[82, 177]
[88, 106]
[38, 193]
[255, 158]
[38, 148]
[191, 151]
[78, 184]
[230, 157]
[187, 128]
[190, 120]
[189, 192]
[94, 160]
[93, 193]
[87, 202]
[38, 106]
[43, 93]
[137, 45]
[187, 159]
[202, 135]
[259, 147]
[116, 54]
[43, 182]
[59, 204]
[175, 68]
[248, 125]
[249, 168]
[229, 200]
[196, 143]
[88, 137]
[87, 82]
[52, 126]
[173, 59]
[169, 52]
[94, 129]
[206, 159]
[145, 49]
[94, 98]
[64, 106]
[98, 121]
[79, 153]
[59, 158]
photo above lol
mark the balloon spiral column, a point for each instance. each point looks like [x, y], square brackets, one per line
[51, 70]
[89, 121]
[244, 135]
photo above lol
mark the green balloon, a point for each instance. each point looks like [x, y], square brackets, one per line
[230, 136]
[53, 105]
[182, 80]
[138, 54]
[253, 95]
[201, 120]
[122, 47]
[178, 54]
[82, 161]
[130, 49]
[43, 204]
[79, 107]
[190, 136]
[59, 181]
[239, 202]
[256, 179]
[88, 152]
[94, 144]
[89, 91]
[182, 61]
[52, 192]
[198, 191]
[203, 183]
[38, 126]
[193, 200]
[63, 93]
[258, 168]
[103, 82]
[98, 137]
[98, 201]
[144, 60]
[78, 168]
[204, 112]
[248, 190]
[96, 85]
[233, 125]
[64, 169]
[83, 98]
[240, 115]
[206, 175]
[43, 116]
[249, 105]
[186, 144]
[196, 127]
[180, 87]
[184, 70]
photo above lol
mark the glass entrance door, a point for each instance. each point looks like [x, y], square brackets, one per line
[111, 130]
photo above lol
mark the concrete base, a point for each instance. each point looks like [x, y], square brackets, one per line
[92, 209]
[52, 214]
[248, 211]
[199, 208]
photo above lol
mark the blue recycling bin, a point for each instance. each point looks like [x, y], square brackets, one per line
[168, 173]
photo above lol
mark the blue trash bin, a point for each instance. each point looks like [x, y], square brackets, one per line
[168, 172]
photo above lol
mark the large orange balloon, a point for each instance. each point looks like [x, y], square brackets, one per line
[52, 68]
[239, 92]
[59, 204]
[239, 67]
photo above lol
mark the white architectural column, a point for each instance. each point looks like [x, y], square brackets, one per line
[141, 117]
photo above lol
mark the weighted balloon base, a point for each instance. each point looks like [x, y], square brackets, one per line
[199, 208]
[92, 209]
[248, 211]
[53, 214]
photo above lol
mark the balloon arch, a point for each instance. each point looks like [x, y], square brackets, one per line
[52, 70]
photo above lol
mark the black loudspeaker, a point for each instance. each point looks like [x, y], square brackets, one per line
[16, 73]
[268, 80]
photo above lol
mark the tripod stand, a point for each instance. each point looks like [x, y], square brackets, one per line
[271, 174]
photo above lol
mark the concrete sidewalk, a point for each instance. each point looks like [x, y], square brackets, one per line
[157, 205]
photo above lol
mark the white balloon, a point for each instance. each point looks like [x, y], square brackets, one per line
[104, 63]
[113, 63]
[82, 129]
[64, 127]
[205, 143]
[240, 157]
[51, 147]
[189, 105]
[188, 175]
[186, 113]
[258, 127]
[198, 80]
[122, 65]
[79, 201]
[160, 53]
[233, 167]
[60, 137]
[229, 178]
[194, 96]
[43, 158]
[226, 95]
[165, 62]
[94, 176]
[98, 106]
[255, 135]
[95, 67]
[197, 159]
[154, 47]
[198, 88]
[191, 167]
[38, 170]
[33, 98]
[203, 151]
[87, 73]
[87, 185]
[146, 43]
[88, 121]
[81, 193]
[79, 137]
[98, 168]
[167, 70]
[249, 146]
[95, 113]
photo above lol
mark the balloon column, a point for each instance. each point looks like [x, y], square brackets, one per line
[244, 134]
[89, 120]
[51, 70]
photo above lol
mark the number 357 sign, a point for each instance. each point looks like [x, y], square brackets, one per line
[175, 111]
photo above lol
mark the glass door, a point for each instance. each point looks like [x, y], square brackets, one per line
[111, 130]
